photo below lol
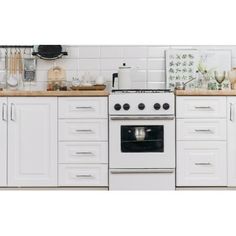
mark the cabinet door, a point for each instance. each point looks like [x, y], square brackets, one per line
[231, 123]
[32, 141]
[3, 142]
[201, 163]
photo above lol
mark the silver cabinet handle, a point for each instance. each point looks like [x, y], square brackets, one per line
[202, 130]
[84, 107]
[84, 176]
[148, 171]
[231, 111]
[84, 131]
[83, 153]
[203, 107]
[203, 164]
[13, 112]
[4, 112]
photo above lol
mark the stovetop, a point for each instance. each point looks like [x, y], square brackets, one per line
[141, 91]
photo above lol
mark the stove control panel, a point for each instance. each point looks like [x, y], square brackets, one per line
[142, 104]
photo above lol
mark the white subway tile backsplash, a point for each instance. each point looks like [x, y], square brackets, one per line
[156, 76]
[111, 64]
[112, 52]
[139, 75]
[73, 51]
[107, 74]
[67, 64]
[135, 51]
[89, 52]
[89, 64]
[140, 64]
[156, 85]
[158, 52]
[156, 64]
[233, 62]
[139, 85]
[42, 75]
[93, 74]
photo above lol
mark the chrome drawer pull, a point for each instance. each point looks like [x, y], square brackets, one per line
[231, 112]
[203, 107]
[12, 111]
[84, 176]
[203, 130]
[4, 112]
[84, 131]
[84, 107]
[84, 153]
[203, 164]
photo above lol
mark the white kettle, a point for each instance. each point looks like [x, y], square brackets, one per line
[124, 77]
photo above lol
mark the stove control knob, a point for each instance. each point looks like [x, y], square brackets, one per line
[126, 106]
[166, 106]
[157, 106]
[117, 106]
[141, 106]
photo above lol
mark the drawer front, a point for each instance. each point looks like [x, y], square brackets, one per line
[201, 129]
[131, 179]
[83, 152]
[83, 130]
[83, 175]
[88, 107]
[201, 163]
[201, 107]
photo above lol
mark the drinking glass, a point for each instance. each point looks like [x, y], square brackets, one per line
[220, 77]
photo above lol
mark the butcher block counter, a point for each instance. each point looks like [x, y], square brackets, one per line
[85, 93]
[201, 92]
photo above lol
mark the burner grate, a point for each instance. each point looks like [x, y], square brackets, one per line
[141, 91]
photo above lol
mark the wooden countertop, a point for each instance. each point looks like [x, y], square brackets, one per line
[85, 93]
[203, 92]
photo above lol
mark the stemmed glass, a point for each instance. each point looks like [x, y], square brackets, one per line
[220, 77]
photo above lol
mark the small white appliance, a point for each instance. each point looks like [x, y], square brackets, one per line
[123, 76]
[142, 140]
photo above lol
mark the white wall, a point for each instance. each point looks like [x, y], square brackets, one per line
[148, 62]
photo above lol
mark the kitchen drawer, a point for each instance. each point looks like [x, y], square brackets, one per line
[83, 130]
[201, 163]
[83, 107]
[141, 179]
[201, 129]
[83, 175]
[83, 152]
[200, 107]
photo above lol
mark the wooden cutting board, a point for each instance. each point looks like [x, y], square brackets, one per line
[56, 73]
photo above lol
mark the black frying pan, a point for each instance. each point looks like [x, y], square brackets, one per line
[49, 52]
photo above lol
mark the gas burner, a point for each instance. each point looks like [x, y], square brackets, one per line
[141, 91]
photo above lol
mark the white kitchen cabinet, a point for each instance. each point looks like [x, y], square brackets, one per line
[200, 107]
[201, 141]
[231, 123]
[3, 142]
[201, 163]
[83, 142]
[32, 141]
[83, 175]
[82, 107]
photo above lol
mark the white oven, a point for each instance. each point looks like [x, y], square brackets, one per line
[142, 141]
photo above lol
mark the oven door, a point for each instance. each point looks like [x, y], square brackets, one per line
[142, 142]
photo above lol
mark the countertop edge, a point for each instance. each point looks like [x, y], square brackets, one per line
[54, 93]
[200, 92]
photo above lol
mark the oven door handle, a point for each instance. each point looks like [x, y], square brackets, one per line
[142, 117]
[144, 171]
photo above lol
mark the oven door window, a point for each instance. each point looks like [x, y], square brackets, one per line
[142, 138]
